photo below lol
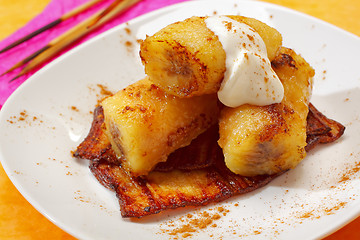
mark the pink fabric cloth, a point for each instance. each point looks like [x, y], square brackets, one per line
[54, 10]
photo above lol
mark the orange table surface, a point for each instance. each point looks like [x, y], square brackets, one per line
[19, 220]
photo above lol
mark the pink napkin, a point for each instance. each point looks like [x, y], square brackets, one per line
[54, 10]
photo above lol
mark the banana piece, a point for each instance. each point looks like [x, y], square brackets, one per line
[187, 59]
[145, 125]
[270, 139]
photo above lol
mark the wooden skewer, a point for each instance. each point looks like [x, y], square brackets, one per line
[72, 35]
[25, 60]
[64, 17]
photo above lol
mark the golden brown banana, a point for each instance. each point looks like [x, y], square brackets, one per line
[144, 124]
[187, 59]
[270, 139]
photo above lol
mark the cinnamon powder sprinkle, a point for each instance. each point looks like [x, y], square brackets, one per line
[127, 30]
[128, 44]
[332, 210]
[23, 117]
[228, 25]
[104, 90]
[350, 172]
[251, 38]
[74, 109]
[193, 223]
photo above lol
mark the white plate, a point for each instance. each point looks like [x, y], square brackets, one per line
[307, 202]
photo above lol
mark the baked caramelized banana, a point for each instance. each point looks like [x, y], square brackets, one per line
[187, 59]
[144, 124]
[270, 139]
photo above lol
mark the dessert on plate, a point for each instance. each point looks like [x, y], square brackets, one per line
[224, 109]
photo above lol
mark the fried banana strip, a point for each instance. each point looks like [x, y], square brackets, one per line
[321, 129]
[158, 191]
[187, 59]
[96, 145]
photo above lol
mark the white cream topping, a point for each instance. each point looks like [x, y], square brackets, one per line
[249, 78]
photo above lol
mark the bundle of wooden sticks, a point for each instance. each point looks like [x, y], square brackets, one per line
[72, 35]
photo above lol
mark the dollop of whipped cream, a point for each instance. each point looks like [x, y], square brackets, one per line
[249, 78]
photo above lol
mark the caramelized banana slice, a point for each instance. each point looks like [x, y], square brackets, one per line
[270, 139]
[144, 124]
[187, 59]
